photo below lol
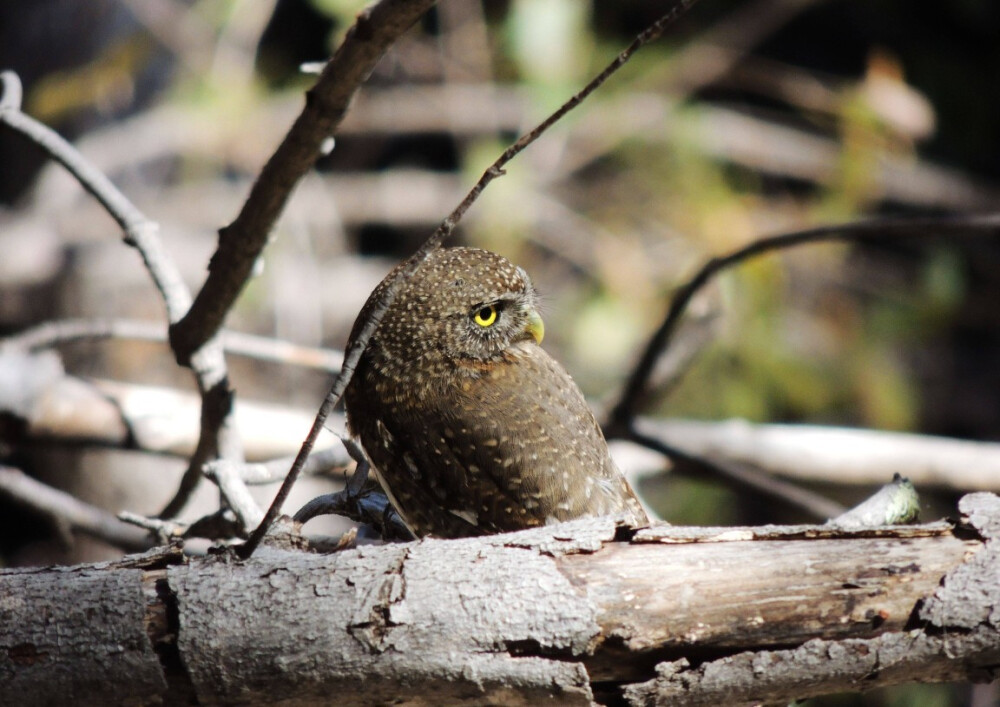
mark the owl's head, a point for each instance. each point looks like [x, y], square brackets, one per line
[463, 304]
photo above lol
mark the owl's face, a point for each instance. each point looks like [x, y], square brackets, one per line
[463, 305]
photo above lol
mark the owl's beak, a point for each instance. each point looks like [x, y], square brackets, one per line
[535, 327]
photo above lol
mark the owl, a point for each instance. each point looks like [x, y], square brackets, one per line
[471, 427]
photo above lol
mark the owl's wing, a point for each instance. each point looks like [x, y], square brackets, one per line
[460, 468]
[519, 447]
[513, 448]
[423, 488]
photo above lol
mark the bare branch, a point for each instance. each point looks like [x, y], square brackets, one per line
[66, 410]
[274, 471]
[207, 361]
[64, 508]
[261, 348]
[226, 476]
[140, 232]
[838, 454]
[623, 413]
[819, 667]
[241, 242]
[165, 530]
[742, 476]
[217, 431]
[221, 525]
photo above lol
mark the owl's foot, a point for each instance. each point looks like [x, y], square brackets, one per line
[363, 501]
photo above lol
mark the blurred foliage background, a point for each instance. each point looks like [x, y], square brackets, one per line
[750, 117]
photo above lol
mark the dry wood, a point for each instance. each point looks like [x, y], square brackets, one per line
[67, 513]
[570, 614]
[49, 405]
[839, 454]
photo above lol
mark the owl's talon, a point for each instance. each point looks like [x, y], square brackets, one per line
[359, 479]
[369, 505]
[393, 527]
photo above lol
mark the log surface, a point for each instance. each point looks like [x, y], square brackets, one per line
[574, 614]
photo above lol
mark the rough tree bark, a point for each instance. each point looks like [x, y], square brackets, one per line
[574, 614]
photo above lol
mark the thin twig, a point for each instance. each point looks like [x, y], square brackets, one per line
[241, 243]
[165, 530]
[624, 412]
[745, 477]
[218, 437]
[64, 508]
[273, 471]
[353, 354]
[12, 94]
[261, 348]
[223, 524]
[140, 232]
[226, 476]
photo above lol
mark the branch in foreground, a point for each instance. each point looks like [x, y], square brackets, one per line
[624, 412]
[818, 668]
[565, 613]
[242, 242]
[353, 355]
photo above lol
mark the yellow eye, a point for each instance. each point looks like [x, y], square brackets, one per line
[485, 316]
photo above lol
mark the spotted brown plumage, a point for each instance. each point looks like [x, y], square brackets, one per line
[471, 427]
